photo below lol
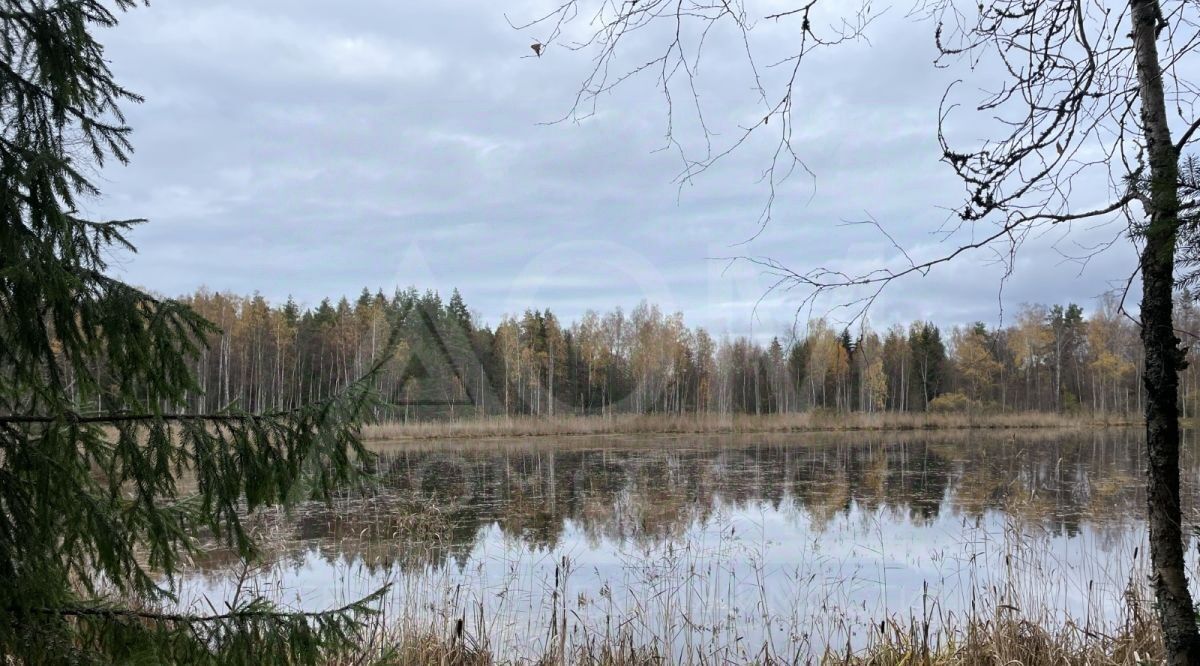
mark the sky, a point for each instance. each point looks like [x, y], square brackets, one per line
[299, 148]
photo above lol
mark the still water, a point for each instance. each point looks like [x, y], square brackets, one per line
[719, 543]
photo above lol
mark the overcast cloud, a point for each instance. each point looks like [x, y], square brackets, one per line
[305, 148]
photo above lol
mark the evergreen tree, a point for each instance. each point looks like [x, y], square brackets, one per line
[1067, 331]
[458, 313]
[105, 479]
[798, 357]
[929, 360]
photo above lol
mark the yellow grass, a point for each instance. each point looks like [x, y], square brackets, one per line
[981, 641]
[816, 421]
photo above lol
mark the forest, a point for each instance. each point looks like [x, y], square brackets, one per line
[450, 364]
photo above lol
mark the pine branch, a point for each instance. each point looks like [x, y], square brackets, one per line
[73, 418]
[357, 606]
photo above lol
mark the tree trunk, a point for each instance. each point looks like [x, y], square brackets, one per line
[1163, 359]
[1058, 335]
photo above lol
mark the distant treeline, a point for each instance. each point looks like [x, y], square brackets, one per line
[449, 364]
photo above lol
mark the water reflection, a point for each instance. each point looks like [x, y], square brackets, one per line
[433, 503]
[745, 532]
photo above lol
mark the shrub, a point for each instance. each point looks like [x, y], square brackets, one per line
[952, 403]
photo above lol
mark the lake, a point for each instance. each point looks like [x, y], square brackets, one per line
[720, 545]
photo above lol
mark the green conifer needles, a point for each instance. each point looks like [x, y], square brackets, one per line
[105, 484]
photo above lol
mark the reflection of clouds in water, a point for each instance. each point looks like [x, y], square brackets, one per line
[746, 533]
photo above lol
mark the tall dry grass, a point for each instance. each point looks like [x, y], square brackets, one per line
[815, 421]
[979, 641]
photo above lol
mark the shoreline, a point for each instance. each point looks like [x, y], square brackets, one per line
[707, 424]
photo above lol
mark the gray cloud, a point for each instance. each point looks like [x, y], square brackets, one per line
[300, 148]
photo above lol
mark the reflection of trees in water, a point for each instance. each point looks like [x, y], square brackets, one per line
[1060, 482]
[431, 507]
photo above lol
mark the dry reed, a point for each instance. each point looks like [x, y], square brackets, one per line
[816, 421]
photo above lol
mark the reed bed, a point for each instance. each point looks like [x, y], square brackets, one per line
[980, 643]
[996, 633]
[814, 421]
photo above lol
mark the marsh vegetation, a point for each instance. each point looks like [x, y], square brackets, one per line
[798, 422]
